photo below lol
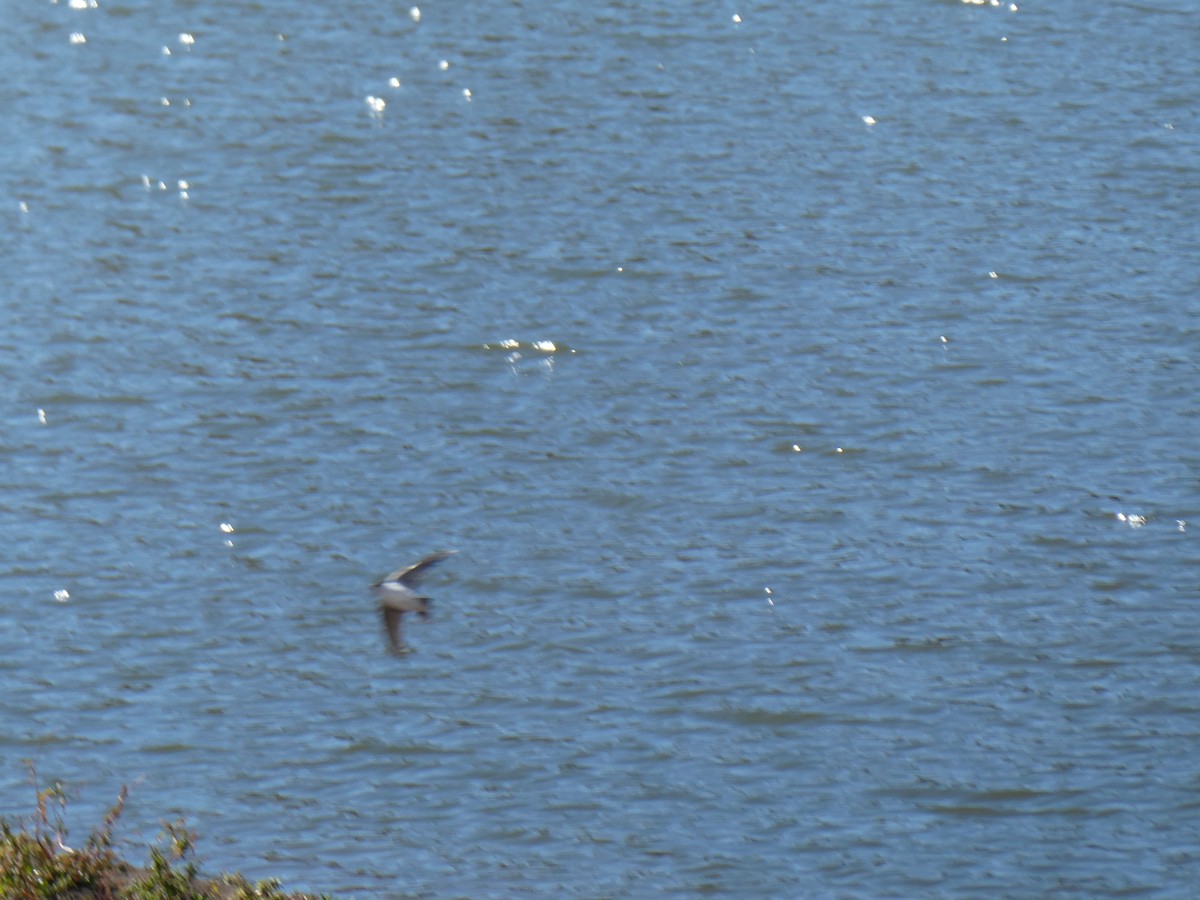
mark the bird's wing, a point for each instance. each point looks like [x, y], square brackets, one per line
[410, 575]
[391, 622]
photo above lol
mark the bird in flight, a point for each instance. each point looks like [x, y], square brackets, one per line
[397, 595]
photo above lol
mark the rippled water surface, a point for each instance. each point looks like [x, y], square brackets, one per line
[810, 393]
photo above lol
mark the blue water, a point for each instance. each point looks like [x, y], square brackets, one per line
[810, 396]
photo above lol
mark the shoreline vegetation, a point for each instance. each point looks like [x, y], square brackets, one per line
[37, 864]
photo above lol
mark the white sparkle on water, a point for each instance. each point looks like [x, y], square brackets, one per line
[1132, 520]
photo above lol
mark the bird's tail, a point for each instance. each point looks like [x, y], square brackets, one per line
[423, 612]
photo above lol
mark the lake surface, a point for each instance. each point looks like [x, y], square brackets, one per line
[809, 389]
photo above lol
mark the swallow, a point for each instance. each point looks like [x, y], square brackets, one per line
[397, 596]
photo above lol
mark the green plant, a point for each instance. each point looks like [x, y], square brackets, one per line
[36, 863]
[164, 881]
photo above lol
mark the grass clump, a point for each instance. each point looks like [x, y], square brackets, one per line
[36, 863]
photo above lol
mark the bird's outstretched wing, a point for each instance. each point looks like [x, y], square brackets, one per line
[410, 575]
[391, 623]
